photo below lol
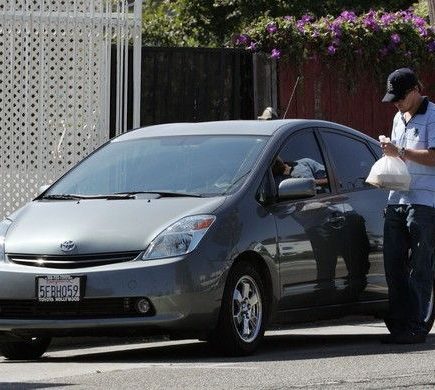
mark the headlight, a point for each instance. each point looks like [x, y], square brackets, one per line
[4, 226]
[180, 238]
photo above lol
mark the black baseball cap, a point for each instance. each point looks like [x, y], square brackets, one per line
[399, 83]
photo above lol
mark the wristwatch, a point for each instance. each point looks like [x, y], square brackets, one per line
[402, 152]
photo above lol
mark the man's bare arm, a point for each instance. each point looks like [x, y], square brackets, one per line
[424, 156]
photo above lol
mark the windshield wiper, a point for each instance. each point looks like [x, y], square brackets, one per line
[163, 194]
[119, 195]
[81, 197]
[63, 197]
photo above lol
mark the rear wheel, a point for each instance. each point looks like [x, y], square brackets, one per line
[243, 312]
[32, 348]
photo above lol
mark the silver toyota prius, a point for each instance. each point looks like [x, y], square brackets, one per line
[215, 230]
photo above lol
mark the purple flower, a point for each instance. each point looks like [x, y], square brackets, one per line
[276, 54]
[242, 40]
[253, 46]
[336, 29]
[271, 28]
[308, 29]
[348, 16]
[419, 22]
[331, 50]
[371, 23]
[423, 31]
[371, 14]
[406, 16]
[395, 38]
[387, 19]
[300, 24]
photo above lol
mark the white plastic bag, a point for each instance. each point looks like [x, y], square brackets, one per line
[390, 173]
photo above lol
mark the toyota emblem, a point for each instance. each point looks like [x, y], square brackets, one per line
[67, 246]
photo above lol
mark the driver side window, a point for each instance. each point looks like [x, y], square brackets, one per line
[301, 158]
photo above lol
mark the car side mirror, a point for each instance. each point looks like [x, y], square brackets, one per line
[296, 188]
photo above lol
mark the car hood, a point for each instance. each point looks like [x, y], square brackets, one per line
[98, 226]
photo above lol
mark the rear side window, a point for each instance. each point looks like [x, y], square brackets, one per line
[352, 160]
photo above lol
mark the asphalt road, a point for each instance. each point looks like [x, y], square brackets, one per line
[337, 356]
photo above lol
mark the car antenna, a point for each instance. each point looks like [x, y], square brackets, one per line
[291, 97]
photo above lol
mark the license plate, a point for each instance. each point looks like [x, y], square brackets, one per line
[58, 288]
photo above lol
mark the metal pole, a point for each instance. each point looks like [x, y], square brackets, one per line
[137, 61]
[431, 4]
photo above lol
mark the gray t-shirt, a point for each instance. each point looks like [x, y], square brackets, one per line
[308, 168]
[418, 133]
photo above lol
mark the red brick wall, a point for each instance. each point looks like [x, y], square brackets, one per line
[353, 100]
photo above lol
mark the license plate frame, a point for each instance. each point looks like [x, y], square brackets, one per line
[59, 288]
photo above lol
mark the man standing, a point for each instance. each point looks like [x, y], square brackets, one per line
[409, 230]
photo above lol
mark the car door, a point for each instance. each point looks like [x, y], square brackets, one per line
[351, 159]
[309, 232]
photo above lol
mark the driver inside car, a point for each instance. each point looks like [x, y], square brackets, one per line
[302, 168]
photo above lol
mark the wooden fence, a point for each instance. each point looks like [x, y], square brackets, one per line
[193, 85]
[354, 100]
[197, 84]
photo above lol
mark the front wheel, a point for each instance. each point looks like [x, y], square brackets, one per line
[30, 349]
[243, 312]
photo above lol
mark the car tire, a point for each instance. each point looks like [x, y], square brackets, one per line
[29, 349]
[243, 312]
[430, 316]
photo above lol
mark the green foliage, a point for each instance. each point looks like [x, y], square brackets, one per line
[421, 8]
[213, 22]
[163, 25]
[183, 23]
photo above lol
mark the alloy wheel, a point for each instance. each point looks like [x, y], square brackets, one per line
[247, 309]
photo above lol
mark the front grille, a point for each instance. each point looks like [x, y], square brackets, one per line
[72, 261]
[87, 308]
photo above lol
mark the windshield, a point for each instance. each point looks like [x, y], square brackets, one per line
[195, 165]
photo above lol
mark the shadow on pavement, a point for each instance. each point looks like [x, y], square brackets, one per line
[30, 386]
[274, 348]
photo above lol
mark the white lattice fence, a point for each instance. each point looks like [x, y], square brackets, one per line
[55, 86]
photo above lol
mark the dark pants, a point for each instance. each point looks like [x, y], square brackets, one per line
[409, 241]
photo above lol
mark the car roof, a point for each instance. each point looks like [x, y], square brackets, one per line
[233, 127]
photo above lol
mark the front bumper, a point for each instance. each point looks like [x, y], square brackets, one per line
[184, 293]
